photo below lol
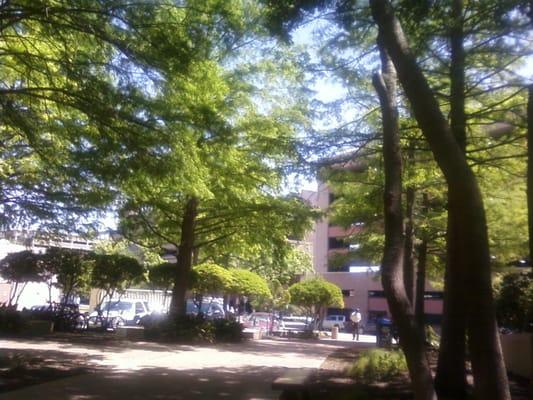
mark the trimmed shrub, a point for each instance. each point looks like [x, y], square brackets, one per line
[191, 329]
[378, 365]
[11, 321]
[514, 302]
[227, 330]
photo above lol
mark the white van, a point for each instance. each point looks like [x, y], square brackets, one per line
[121, 312]
[331, 320]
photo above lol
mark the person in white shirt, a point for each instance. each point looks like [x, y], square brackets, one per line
[355, 317]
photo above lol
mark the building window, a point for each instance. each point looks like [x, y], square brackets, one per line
[348, 293]
[373, 316]
[337, 243]
[336, 267]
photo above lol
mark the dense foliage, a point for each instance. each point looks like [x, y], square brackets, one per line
[20, 268]
[210, 279]
[72, 271]
[378, 365]
[114, 273]
[192, 329]
[316, 294]
[514, 301]
[247, 283]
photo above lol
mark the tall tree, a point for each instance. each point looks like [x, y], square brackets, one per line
[450, 380]
[465, 201]
[495, 36]
[392, 266]
[216, 191]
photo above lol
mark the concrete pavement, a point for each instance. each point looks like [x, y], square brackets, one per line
[158, 371]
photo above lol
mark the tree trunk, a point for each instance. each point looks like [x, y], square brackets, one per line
[393, 253]
[422, 250]
[409, 260]
[465, 202]
[13, 293]
[421, 286]
[450, 380]
[530, 171]
[178, 304]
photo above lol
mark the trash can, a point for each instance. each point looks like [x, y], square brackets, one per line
[384, 332]
[335, 332]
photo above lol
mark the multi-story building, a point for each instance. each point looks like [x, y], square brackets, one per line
[359, 281]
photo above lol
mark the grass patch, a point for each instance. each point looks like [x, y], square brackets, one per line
[376, 365]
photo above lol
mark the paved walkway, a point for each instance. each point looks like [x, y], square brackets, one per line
[153, 371]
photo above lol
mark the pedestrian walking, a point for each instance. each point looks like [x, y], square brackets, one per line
[355, 317]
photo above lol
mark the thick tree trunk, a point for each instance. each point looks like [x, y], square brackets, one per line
[393, 255]
[178, 304]
[465, 202]
[450, 380]
[530, 171]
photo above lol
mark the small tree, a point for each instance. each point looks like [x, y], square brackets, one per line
[21, 267]
[161, 276]
[209, 278]
[114, 273]
[314, 295]
[70, 268]
[281, 297]
[249, 284]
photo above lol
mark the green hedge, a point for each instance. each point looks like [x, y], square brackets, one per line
[378, 365]
[11, 321]
[192, 329]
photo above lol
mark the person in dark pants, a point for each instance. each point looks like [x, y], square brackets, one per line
[355, 317]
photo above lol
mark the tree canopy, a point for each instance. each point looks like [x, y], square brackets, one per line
[315, 294]
[247, 283]
[212, 279]
[82, 100]
[114, 273]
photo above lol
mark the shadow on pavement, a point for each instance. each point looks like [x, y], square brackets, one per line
[160, 383]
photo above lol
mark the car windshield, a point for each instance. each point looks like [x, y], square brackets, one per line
[116, 306]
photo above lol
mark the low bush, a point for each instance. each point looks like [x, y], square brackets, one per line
[190, 329]
[11, 321]
[378, 365]
[432, 337]
[65, 317]
[227, 330]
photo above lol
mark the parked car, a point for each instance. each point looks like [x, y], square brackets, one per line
[262, 320]
[331, 320]
[210, 309]
[296, 323]
[119, 312]
[66, 317]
